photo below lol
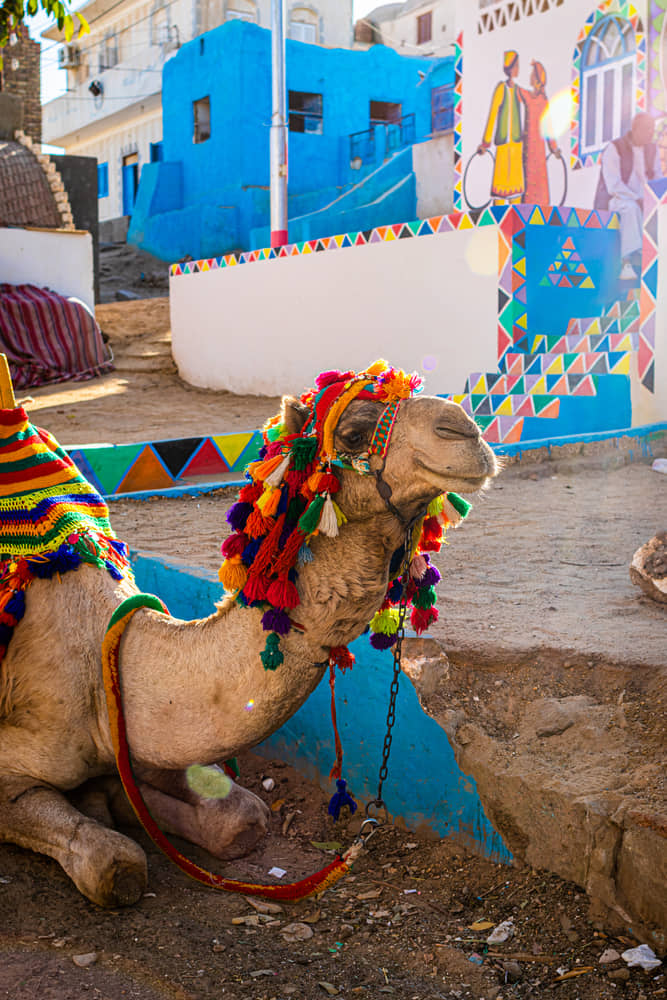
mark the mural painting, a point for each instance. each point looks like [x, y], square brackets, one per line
[518, 126]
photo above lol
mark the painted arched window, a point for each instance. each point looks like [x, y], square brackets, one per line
[608, 83]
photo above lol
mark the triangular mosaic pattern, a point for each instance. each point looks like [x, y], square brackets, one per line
[567, 270]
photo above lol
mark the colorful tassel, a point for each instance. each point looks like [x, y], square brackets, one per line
[421, 618]
[455, 508]
[305, 555]
[275, 620]
[238, 515]
[271, 656]
[341, 657]
[278, 474]
[256, 589]
[258, 525]
[328, 521]
[310, 519]
[340, 799]
[424, 598]
[385, 622]
[303, 452]
[233, 574]
[268, 502]
[340, 517]
[283, 594]
[418, 567]
[233, 545]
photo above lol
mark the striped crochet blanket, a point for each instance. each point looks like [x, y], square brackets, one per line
[48, 338]
[51, 518]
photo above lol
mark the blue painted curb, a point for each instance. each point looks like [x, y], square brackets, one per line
[425, 785]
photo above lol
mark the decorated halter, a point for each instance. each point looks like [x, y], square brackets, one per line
[289, 499]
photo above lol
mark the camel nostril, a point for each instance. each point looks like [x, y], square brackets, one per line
[452, 432]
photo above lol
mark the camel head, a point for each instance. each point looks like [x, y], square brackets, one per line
[358, 449]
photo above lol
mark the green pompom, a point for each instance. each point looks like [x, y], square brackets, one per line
[310, 519]
[425, 597]
[460, 505]
[209, 782]
[276, 432]
[303, 452]
[272, 657]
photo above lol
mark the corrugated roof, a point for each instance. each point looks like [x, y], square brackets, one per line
[26, 198]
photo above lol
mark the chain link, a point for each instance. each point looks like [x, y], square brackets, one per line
[378, 802]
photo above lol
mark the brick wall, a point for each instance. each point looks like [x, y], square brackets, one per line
[20, 76]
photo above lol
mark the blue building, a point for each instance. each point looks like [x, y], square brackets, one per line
[353, 117]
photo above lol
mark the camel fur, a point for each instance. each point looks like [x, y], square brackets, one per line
[186, 684]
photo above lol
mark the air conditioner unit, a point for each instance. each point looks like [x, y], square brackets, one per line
[69, 57]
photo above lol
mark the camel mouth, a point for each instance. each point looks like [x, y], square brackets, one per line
[463, 481]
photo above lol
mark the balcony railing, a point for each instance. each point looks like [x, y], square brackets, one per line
[397, 135]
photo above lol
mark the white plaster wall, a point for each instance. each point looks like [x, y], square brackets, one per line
[548, 36]
[50, 258]
[433, 163]
[400, 33]
[425, 304]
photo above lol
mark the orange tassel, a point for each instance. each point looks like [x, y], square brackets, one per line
[233, 574]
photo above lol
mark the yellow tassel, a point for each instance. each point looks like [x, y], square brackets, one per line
[378, 367]
[328, 521]
[268, 502]
[340, 517]
[233, 574]
[436, 506]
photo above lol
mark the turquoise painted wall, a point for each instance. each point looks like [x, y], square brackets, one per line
[205, 198]
[424, 785]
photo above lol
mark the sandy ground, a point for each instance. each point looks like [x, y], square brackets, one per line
[540, 569]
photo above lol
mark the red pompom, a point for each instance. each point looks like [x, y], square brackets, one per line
[421, 618]
[251, 492]
[341, 657]
[328, 378]
[272, 449]
[283, 594]
[234, 545]
[329, 483]
[432, 529]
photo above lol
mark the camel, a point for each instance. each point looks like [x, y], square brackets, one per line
[187, 686]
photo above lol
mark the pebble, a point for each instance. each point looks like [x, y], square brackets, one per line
[501, 933]
[296, 932]
[619, 975]
[262, 972]
[262, 906]
[268, 784]
[608, 956]
[512, 971]
[329, 988]
[83, 961]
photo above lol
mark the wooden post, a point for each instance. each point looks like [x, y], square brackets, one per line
[7, 401]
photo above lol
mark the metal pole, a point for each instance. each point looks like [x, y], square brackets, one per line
[278, 126]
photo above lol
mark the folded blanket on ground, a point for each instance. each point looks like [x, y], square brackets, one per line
[48, 338]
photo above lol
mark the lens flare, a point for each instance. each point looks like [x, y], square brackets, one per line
[481, 252]
[556, 119]
[250, 705]
[429, 363]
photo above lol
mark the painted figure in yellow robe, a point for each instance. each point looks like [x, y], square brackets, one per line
[505, 130]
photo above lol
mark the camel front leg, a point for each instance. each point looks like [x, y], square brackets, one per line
[108, 868]
[227, 823]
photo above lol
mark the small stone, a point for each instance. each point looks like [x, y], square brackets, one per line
[619, 975]
[456, 907]
[346, 931]
[329, 989]
[83, 961]
[501, 933]
[609, 956]
[296, 932]
[513, 971]
[371, 894]
[262, 906]
[58, 943]
[268, 784]
[262, 972]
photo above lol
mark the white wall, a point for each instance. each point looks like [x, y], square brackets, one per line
[269, 327]
[50, 258]
[401, 32]
[432, 164]
[651, 407]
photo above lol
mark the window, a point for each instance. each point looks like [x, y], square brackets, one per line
[608, 83]
[130, 176]
[442, 109]
[109, 53]
[102, 180]
[424, 27]
[385, 112]
[300, 31]
[242, 10]
[156, 152]
[305, 112]
[201, 110]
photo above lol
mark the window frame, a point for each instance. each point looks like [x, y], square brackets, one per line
[595, 78]
[103, 179]
[305, 113]
[425, 27]
[198, 122]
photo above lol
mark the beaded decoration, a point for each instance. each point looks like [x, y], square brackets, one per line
[51, 519]
[290, 498]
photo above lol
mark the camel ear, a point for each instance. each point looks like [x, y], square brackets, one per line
[294, 415]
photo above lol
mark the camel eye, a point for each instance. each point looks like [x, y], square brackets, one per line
[354, 439]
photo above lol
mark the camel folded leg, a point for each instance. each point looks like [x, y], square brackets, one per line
[226, 827]
[105, 866]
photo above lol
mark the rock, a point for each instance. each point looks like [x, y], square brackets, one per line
[84, 961]
[296, 932]
[268, 784]
[329, 989]
[553, 716]
[256, 973]
[346, 931]
[648, 568]
[513, 971]
[262, 906]
[609, 956]
[619, 975]
[643, 956]
[503, 932]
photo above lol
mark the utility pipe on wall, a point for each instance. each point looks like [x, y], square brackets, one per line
[278, 126]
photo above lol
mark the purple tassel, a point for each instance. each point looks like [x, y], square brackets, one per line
[381, 641]
[15, 606]
[341, 798]
[238, 515]
[275, 620]
[113, 572]
[430, 577]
